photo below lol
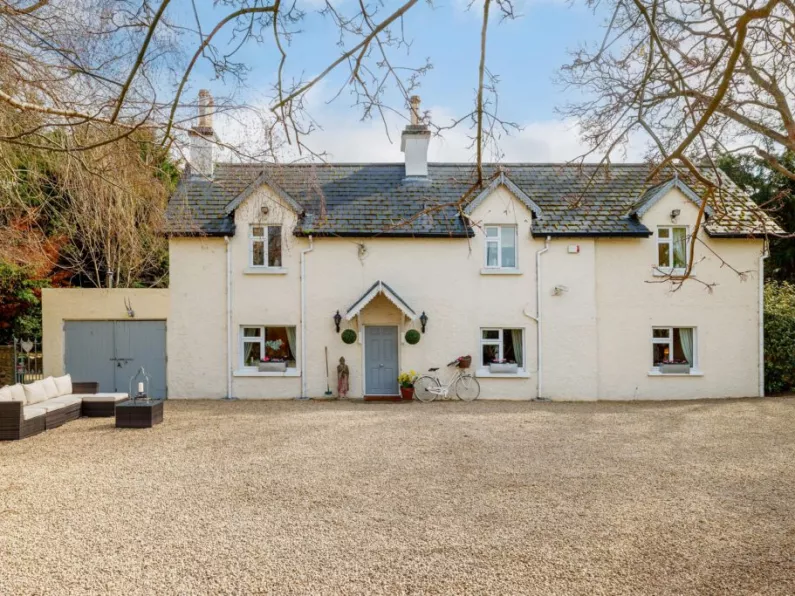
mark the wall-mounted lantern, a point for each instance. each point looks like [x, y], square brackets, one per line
[423, 320]
[675, 213]
[337, 320]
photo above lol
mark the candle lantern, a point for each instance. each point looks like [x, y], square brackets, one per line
[139, 385]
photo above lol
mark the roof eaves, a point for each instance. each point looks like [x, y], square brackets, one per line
[656, 193]
[263, 179]
[503, 180]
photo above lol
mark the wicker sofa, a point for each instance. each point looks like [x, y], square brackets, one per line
[27, 410]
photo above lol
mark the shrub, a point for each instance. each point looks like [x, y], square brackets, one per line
[412, 336]
[779, 337]
[348, 336]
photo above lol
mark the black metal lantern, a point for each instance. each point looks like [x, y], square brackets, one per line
[338, 320]
[423, 320]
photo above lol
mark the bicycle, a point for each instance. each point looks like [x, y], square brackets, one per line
[467, 388]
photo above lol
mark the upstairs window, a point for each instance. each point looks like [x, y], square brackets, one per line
[265, 246]
[672, 247]
[501, 247]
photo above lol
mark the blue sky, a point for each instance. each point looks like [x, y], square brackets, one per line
[526, 53]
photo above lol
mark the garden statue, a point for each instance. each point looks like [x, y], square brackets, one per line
[342, 378]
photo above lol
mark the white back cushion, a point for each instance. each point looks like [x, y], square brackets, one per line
[50, 388]
[64, 384]
[17, 393]
[5, 394]
[34, 392]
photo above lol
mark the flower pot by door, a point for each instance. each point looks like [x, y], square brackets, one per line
[407, 392]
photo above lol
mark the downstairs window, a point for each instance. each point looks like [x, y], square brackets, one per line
[278, 344]
[673, 345]
[502, 346]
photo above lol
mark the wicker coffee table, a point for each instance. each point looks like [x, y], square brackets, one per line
[141, 413]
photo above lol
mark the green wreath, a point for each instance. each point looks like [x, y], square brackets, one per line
[348, 336]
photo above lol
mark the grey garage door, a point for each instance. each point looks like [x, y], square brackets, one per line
[111, 352]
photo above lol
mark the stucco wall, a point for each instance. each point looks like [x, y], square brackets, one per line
[72, 304]
[596, 338]
[631, 301]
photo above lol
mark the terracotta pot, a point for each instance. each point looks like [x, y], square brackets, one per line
[407, 392]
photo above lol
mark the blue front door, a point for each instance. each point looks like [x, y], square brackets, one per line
[381, 360]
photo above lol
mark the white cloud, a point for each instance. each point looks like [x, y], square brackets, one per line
[346, 139]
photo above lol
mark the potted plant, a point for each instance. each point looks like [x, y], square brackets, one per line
[674, 367]
[503, 366]
[272, 364]
[406, 380]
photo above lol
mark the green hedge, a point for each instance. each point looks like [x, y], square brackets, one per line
[779, 337]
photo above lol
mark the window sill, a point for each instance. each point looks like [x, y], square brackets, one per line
[265, 271]
[253, 372]
[692, 373]
[499, 271]
[670, 272]
[485, 373]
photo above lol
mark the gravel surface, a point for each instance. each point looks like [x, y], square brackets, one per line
[345, 498]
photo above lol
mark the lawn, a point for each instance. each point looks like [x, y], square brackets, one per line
[485, 497]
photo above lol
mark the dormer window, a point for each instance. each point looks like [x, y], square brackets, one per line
[672, 248]
[265, 246]
[500, 247]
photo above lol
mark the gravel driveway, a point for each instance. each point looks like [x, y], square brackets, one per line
[487, 497]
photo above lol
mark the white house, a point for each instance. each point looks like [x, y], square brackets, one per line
[563, 270]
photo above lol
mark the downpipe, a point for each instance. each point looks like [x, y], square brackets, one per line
[765, 254]
[229, 371]
[537, 318]
[304, 367]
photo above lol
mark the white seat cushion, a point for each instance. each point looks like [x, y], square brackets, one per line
[102, 397]
[66, 400]
[50, 405]
[64, 384]
[34, 392]
[12, 393]
[50, 388]
[29, 412]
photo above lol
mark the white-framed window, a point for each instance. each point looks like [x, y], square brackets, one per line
[278, 344]
[501, 346]
[673, 345]
[672, 247]
[501, 247]
[265, 246]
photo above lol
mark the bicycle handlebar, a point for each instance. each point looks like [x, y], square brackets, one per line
[453, 362]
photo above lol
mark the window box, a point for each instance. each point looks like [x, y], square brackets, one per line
[675, 369]
[272, 367]
[504, 367]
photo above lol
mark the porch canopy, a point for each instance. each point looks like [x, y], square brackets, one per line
[377, 288]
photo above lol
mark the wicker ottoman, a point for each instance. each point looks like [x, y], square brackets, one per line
[102, 405]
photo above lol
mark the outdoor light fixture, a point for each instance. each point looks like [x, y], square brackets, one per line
[675, 213]
[338, 320]
[423, 320]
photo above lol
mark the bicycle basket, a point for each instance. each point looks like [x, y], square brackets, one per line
[465, 362]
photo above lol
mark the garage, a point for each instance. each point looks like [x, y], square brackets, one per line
[111, 352]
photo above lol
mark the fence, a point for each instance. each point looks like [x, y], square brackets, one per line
[21, 362]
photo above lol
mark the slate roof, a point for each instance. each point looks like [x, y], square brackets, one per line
[377, 200]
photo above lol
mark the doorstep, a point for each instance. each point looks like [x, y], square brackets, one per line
[388, 398]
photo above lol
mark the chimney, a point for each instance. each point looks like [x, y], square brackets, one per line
[202, 138]
[414, 142]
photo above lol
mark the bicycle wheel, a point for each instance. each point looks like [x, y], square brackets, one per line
[422, 386]
[467, 388]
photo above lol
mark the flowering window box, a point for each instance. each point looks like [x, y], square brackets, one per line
[504, 367]
[272, 366]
